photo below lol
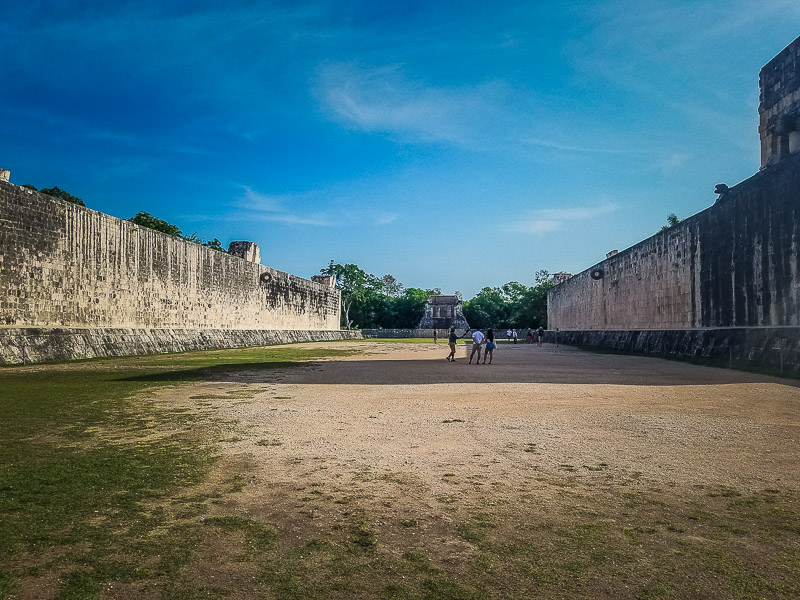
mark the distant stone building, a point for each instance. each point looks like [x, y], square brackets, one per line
[248, 251]
[561, 277]
[326, 280]
[442, 312]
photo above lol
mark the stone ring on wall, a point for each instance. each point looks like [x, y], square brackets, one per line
[596, 274]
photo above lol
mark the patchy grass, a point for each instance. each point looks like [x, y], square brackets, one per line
[87, 463]
[269, 443]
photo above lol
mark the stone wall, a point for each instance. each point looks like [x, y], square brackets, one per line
[648, 286]
[63, 265]
[779, 106]
[19, 345]
[771, 349]
[735, 264]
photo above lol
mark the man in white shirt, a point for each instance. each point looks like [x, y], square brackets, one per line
[477, 340]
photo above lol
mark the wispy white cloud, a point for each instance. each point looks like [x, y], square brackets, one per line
[384, 100]
[673, 162]
[253, 205]
[556, 219]
[573, 148]
[386, 219]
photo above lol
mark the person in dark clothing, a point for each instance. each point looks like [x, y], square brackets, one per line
[540, 335]
[490, 345]
[452, 341]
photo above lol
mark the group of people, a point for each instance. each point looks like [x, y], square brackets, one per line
[478, 339]
[511, 334]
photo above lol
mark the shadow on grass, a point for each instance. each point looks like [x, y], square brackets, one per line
[211, 372]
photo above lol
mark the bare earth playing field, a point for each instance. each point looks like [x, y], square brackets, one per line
[552, 472]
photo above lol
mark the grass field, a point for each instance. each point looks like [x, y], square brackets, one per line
[108, 492]
[88, 463]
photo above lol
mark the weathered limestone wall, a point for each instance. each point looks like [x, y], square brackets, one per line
[779, 106]
[63, 265]
[647, 286]
[735, 264]
[19, 345]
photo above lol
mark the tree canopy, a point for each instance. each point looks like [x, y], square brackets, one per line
[370, 302]
[57, 192]
[513, 305]
[672, 220]
[376, 302]
[145, 219]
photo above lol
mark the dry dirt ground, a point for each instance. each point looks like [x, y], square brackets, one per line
[401, 408]
[421, 453]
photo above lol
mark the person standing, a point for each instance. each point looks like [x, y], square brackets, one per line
[514, 335]
[451, 339]
[477, 340]
[508, 335]
[540, 335]
[435, 335]
[489, 351]
[529, 336]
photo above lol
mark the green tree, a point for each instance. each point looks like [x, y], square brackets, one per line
[487, 309]
[410, 307]
[353, 282]
[377, 302]
[391, 287]
[59, 193]
[145, 219]
[513, 305]
[534, 301]
[214, 244]
[672, 220]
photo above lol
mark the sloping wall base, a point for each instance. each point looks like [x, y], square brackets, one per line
[773, 349]
[20, 345]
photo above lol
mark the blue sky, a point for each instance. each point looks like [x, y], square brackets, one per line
[453, 145]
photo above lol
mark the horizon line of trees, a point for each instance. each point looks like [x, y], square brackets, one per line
[371, 302]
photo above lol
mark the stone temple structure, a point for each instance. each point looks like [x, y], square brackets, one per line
[443, 312]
